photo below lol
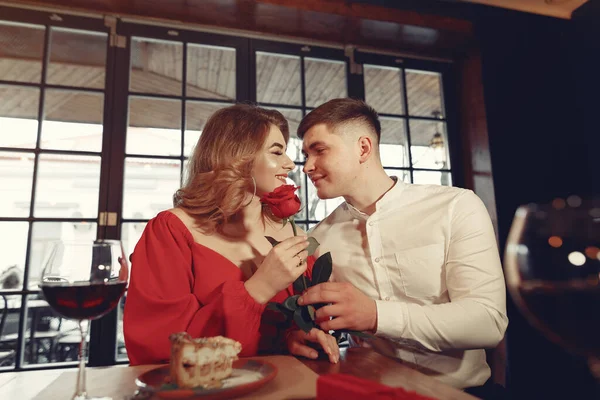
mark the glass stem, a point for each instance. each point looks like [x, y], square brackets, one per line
[80, 390]
[594, 363]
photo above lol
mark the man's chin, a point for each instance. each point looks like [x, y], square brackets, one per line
[325, 195]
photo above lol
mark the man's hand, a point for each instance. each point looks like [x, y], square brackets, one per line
[350, 308]
[296, 343]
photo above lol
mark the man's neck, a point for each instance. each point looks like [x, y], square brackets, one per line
[369, 190]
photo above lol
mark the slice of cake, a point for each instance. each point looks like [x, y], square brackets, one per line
[202, 362]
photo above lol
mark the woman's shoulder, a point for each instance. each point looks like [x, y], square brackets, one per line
[186, 223]
[165, 230]
[177, 213]
[173, 220]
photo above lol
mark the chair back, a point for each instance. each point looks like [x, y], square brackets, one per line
[4, 314]
[496, 359]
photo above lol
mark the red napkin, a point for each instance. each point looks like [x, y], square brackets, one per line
[348, 387]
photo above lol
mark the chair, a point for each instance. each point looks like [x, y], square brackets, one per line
[4, 314]
[37, 349]
[44, 335]
[65, 346]
[7, 356]
[496, 359]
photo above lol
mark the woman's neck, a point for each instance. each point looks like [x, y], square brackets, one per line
[249, 219]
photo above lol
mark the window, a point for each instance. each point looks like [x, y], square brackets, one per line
[86, 127]
[295, 79]
[175, 84]
[51, 135]
[414, 140]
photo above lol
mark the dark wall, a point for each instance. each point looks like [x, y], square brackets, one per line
[586, 59]
[541, 81]
[540, 88]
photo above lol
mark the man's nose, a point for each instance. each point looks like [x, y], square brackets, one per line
[309, 166]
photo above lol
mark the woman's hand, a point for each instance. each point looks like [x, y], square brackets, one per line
[281, 267]
[297, 339]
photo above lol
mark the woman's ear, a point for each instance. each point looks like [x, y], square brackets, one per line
[365, 145]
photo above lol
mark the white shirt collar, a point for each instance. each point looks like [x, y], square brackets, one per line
[391, 195]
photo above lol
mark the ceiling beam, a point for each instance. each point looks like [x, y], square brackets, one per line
[338, 22]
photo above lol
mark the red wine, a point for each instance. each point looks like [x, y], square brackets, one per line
[83, 300]
[567, 312]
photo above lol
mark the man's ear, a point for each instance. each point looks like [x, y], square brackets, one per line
[365, 145]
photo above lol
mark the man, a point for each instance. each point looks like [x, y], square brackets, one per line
[417, 265]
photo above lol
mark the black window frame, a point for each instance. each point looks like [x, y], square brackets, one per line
[86, 24]
[302, 51]
[447, 71]
[103, 332]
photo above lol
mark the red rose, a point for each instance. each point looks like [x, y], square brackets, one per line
[282, 201]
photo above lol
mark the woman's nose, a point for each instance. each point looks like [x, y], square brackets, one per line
[289, 164]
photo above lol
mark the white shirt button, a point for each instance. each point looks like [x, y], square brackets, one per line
[377, 259]
[387, 298]
[371, 223]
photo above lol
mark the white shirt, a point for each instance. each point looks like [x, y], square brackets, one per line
[428, 256]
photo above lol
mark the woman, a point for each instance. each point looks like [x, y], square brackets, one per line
[205, 266]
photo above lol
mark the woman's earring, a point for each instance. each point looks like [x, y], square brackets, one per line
[253, 194]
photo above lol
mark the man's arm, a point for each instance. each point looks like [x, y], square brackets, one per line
[476, 314]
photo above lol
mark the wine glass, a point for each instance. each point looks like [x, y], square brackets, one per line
[84, 280]
[552, 264]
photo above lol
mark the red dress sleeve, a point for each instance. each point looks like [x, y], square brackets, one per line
[161, 297]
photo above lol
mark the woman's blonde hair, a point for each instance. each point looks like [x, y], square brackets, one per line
[220, 170]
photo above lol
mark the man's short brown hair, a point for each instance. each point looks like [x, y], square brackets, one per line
[340, 111]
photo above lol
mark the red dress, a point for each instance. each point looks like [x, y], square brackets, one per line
[179, 285]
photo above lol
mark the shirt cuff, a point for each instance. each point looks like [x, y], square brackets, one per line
[236, 291]
[391, 319]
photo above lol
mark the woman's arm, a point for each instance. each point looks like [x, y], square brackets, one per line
[160, 299]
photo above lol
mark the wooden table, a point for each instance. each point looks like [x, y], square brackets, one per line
[359, 362]
[368, 364]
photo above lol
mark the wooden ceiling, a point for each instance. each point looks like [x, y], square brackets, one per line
[78, 60]
[552, 8]
[332, 21]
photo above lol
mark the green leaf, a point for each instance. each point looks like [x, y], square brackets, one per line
[283, 316]
[322, 269]
[285, 221]
[312, 245]
[272, 241]
[299, 285]
[276, 307]
[303, 320]
[291, 303]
